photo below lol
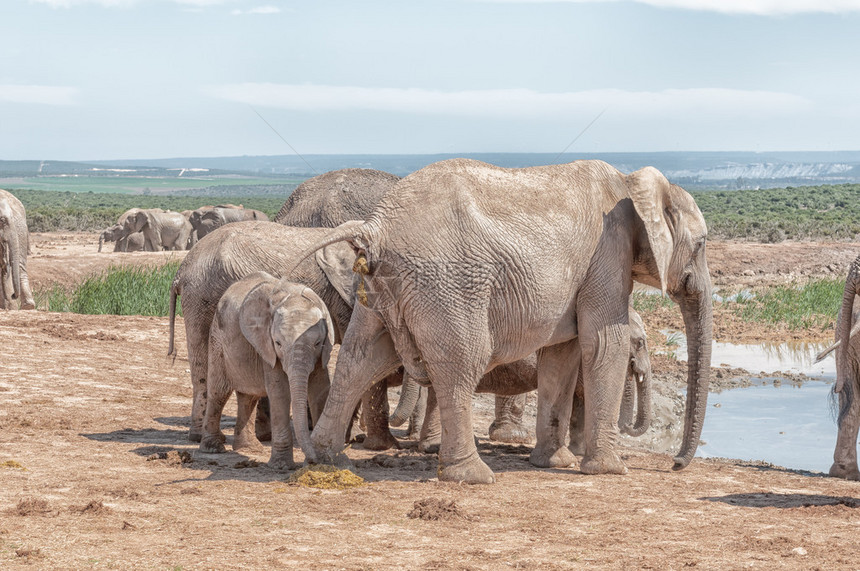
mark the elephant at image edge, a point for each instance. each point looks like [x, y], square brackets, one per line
[540, 259]
[333, 198]
[161, 230]
[207, 218]
[14, 248]
[847, 386]
[521, 377]
[274, 339]
[235, 251]
[123, 242]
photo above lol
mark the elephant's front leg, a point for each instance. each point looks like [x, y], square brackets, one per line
[278, 390]
[604, 366]
[243, 435]
[374, 410]
[508, 425]
[27, 300]
[845, 453]
[558, 368]
[431, 429]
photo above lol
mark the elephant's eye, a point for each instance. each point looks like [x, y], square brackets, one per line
[277, 343]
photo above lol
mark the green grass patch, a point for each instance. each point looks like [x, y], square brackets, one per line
[647, 302]
[814, 304]
[119, 290]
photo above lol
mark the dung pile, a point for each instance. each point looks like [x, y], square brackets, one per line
[325, 477]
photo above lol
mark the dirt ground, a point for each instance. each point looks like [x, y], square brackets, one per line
[96, 471]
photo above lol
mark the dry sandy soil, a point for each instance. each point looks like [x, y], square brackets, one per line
[96, 472]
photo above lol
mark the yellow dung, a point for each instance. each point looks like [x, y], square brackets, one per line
[325, 477]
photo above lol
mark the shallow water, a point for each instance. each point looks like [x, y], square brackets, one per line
[787, 425]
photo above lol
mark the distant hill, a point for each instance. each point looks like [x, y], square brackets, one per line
[693, 170]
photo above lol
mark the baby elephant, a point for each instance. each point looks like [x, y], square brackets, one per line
[270, 338]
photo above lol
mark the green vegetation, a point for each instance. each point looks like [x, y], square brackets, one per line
[646, 302]
[773, 215]
[49, 211]
[119, 290]
[812, 305]
[219, 186]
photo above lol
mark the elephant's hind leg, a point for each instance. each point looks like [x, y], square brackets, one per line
[558, 368]
[374, 410]
[508, 425]
[243, 436]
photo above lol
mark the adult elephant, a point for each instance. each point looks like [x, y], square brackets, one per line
[123, 242]
[847, 387]
[466, 266]
[161, 230]
[14, 247]
[235, 251]
[207, 218]
[335, 197]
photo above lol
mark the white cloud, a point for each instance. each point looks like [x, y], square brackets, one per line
[266, 10]
[122, 3]
[513, 103]
[757, 7]
[38, 94]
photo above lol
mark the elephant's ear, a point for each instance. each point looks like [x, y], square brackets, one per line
[336, 261]
[255, 321]
[649, 190]
[311, 295]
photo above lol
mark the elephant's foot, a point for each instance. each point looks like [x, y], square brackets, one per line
[473, 470]
[510, 433]
[28, 304]
[263, 433]
[195, 435]
[212, 444]
[605, 463]
[430, 444]
[282, 461]
[247, 442]
[552, 457]
[381, 441]
[846, 470]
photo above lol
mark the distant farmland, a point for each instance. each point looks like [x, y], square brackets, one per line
[213, 185]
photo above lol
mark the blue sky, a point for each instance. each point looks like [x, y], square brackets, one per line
[125, 79]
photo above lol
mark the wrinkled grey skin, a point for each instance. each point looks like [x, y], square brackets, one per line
[123, 242]
[521, 377]
[14, 247]
[207, 218]
[847, 386]
[268, 338]
[161, 230]
[234, 251]
[529, 260]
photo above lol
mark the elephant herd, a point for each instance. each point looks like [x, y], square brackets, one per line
[462, 277]
[154, 229]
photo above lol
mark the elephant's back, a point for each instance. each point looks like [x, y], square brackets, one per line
[236, 250]
[335, 197]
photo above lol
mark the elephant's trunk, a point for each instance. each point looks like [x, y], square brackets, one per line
[298, 377]
[15, 262]
[643, 402]
[843, 335]
[625, 419]
[409, 395]
[698, 322]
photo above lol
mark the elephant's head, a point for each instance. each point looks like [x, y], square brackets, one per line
[111, 234]
[9, 240]
[136, 221]
[288, 322]
[669, 254]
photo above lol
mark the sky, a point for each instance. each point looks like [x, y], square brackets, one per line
[145, 79]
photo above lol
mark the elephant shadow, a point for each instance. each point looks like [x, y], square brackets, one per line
[155, 436]
[784, 501]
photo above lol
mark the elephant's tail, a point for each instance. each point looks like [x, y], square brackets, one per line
[175, 290]
[351, 230]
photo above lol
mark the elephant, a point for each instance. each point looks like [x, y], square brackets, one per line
[268, 338]
[521, 377]
[123, 242]
[847, 386]
[335, 197]
[465, 266]
[207, 218]
[237, 250]
[161, 230]
[14, 248]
